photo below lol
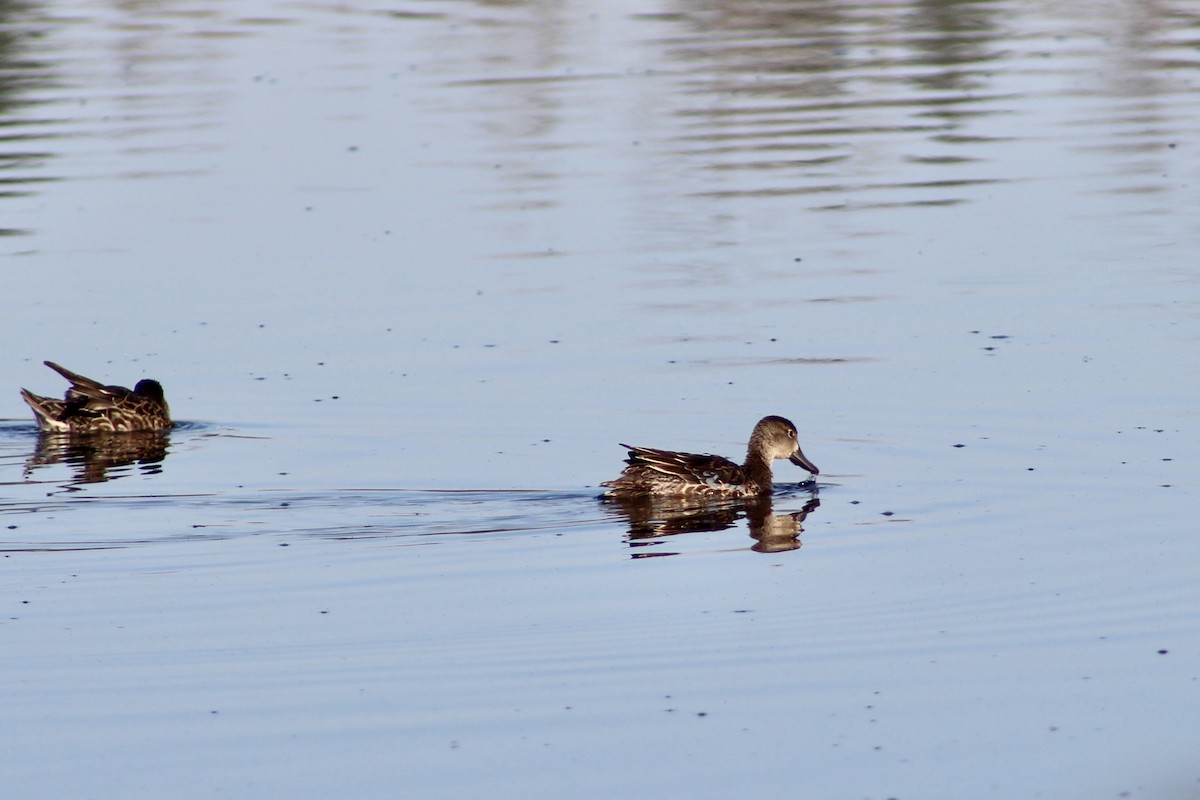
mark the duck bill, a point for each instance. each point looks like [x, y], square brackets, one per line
[800, 460]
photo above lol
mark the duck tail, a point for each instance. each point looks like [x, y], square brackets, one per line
[46, 410]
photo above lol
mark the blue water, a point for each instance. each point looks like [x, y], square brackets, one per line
[410, 273]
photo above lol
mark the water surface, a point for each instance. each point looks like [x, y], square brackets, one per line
[409, 273]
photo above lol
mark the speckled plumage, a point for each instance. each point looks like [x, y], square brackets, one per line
[91, 407]
[665, 472]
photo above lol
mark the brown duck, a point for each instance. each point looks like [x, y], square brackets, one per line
[664, 472]
[91, 407]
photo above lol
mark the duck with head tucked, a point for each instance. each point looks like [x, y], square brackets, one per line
[665, 472]
[91, 407]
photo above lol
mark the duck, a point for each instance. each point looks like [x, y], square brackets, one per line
[91, 407]
[653, 472]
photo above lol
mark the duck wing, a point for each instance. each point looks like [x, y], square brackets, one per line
[695, 468]
[86, 391]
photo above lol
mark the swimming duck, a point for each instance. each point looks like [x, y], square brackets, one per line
[664, 472]
[90, 407]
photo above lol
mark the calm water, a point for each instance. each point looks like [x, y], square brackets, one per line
[410, 271]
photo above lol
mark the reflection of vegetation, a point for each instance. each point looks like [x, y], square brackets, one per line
[652, 519]
[962, 39]
[19, 73]
[789, 93]
[823, 49]
[92, 456]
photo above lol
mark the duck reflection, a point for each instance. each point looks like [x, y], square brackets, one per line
[652, 519]
[100, 457]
